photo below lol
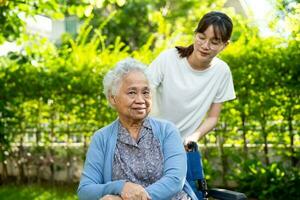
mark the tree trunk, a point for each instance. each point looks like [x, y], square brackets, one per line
[68, 164]
[244, 129]
[52, 135]
[291, 134]
[4, 173]
[223, 159]
[21, 177]
[205, 151]
[266, 149]
[85, 146]
[38, 125]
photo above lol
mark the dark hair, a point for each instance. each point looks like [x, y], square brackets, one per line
[221, 23]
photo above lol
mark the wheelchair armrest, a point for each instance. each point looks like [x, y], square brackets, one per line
[224, 194]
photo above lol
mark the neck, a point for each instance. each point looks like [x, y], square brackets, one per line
[132, 126]
[198, 65]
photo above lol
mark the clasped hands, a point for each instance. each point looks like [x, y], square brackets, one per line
[131, 191]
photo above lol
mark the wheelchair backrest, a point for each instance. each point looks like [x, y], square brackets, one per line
[195, 174]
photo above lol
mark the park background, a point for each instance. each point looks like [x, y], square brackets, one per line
[51, 99]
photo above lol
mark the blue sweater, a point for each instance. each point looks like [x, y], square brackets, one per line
[96, 180]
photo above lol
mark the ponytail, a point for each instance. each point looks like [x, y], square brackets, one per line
[185, 51]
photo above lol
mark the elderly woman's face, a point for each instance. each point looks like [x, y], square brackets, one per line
[133, 99]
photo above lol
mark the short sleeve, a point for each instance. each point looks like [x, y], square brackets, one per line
[226, 89]
[155, 71]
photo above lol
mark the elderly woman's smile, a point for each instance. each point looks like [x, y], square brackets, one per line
[132, 100]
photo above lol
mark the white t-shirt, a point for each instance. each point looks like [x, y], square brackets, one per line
[184, 95]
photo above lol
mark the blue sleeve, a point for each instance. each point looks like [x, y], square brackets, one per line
[92, 186]
[175, 167]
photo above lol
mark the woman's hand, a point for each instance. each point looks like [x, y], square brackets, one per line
[192, 138]
[111, 197]
[132, 191]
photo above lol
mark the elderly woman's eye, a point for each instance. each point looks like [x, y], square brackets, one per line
[146, 93]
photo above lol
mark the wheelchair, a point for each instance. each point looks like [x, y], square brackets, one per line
[195, 177]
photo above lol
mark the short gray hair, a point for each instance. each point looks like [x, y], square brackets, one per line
[113, 78]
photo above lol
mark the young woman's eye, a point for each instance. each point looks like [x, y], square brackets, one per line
[215, 42]
[201, 37]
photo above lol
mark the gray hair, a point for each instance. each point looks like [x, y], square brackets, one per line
[113, 78]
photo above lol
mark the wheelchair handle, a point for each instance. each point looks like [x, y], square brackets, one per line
[191, 147]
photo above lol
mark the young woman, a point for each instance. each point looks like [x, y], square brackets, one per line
[191, 83]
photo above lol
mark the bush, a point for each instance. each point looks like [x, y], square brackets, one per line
[269, 182]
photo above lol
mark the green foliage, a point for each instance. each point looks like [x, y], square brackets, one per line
[35, 192]
[68, 86]
[269, 182]
[12, 14]
[54, 93]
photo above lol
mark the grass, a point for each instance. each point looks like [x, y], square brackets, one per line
[37, 192]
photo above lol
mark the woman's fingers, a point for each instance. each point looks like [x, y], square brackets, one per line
[132, 191]
[111, 197]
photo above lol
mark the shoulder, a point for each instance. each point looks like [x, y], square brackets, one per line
[103, 134]
[165, 61]
[221, 65]
[160, 122]
[162, 127]
[168, 58]
[169, 53]
[167, 133]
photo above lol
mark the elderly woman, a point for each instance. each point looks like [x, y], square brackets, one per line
[135, 157]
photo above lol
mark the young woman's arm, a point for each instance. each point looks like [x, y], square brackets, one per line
[208, 124]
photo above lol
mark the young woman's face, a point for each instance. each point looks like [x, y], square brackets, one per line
[207, 45]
